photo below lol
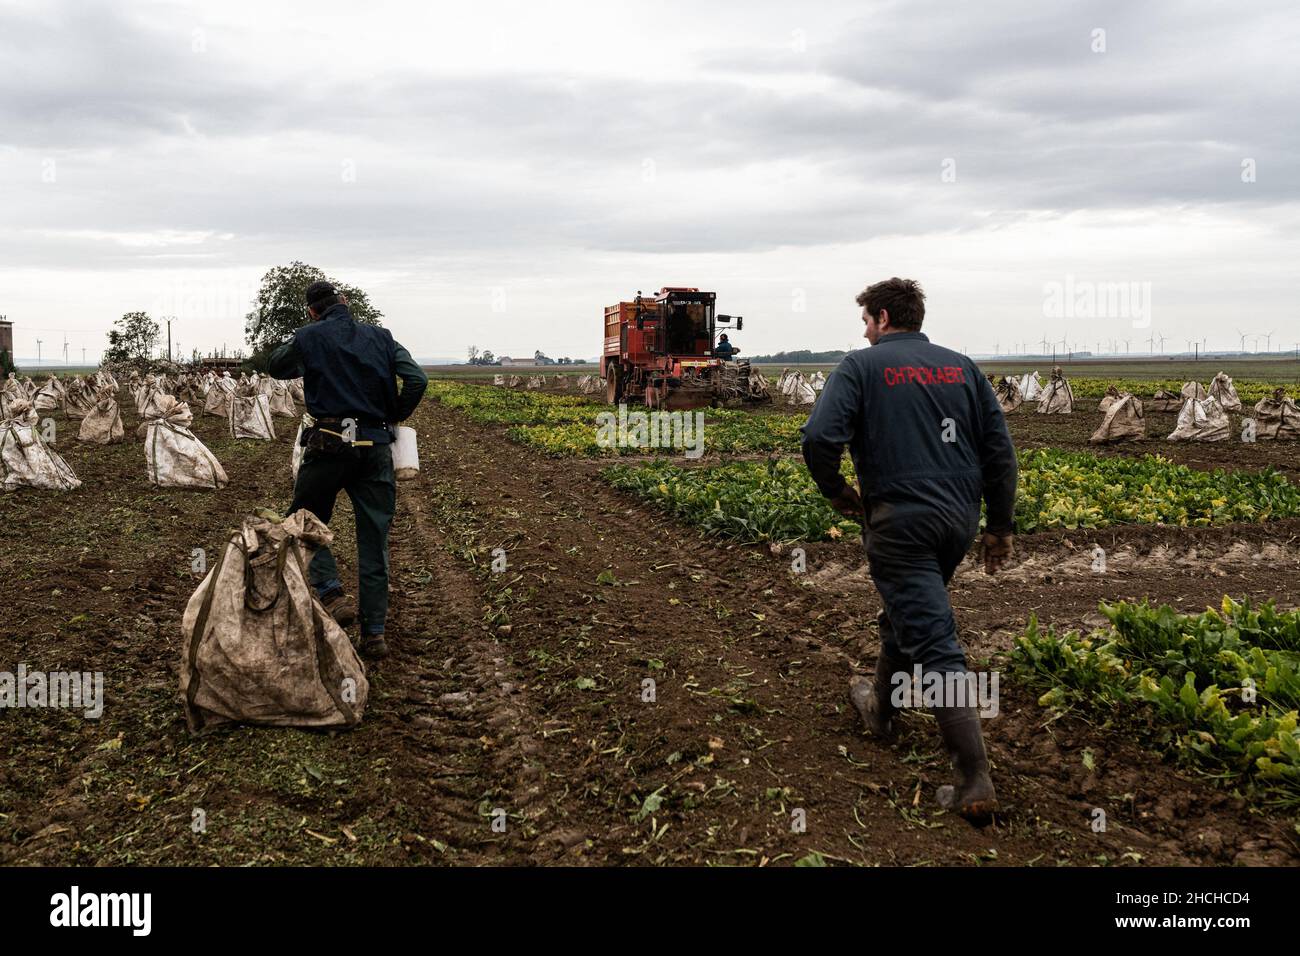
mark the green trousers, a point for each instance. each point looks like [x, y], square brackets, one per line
[366, 474]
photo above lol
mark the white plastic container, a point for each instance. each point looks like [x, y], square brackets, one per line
[406, 456]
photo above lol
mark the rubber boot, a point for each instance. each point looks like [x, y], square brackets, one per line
[972, 797]
[871, 698]
[340, 607]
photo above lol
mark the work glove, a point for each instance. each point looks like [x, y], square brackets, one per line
[996, 549]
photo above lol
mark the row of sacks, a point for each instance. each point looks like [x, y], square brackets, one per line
[1277, 418]
[1054, 398]
[1221, 390]
[175, 457]
[796, 388]
[222, 397]
[534, 381]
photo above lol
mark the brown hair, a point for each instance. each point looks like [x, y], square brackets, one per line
[903, 299]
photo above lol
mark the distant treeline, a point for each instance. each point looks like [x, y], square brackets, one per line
[801, 357]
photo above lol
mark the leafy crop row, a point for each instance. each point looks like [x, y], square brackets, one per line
[568, 425]
[1249, 392]
[747, 500]
[1061, 489]
[1220, 688]
[757, 501]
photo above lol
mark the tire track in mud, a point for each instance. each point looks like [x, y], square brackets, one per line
[460, 697]
[750, 720]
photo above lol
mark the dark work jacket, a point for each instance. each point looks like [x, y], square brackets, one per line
[350, 370]
[894, 405]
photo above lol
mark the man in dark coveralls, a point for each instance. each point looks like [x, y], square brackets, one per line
[928, 441]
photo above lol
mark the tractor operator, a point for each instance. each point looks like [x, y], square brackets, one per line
[928, 440]
[350, 372]
[724, 349]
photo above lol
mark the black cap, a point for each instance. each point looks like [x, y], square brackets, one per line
[319, 291]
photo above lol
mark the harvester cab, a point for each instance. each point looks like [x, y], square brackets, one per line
[660, 349]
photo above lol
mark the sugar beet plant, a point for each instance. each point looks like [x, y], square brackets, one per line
[1060, 489]
[746, 500]
[566, 425]
[758, 501]
[1220, 690]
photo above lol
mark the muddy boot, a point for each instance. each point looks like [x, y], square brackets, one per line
[374, 647]
[972, 797]
[871, 699]
[340, 607]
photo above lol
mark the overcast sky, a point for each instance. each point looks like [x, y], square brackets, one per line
[494, 174]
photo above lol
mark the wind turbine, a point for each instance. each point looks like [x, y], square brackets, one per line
[1162, 343]
[1268, 340]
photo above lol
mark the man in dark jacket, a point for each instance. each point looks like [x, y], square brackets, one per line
[350, 373]
[928, 440]
[724, 349]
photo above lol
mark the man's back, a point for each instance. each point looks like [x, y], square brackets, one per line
[348, 368]
[921, 422]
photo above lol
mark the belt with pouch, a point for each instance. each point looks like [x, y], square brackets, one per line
[331, 436]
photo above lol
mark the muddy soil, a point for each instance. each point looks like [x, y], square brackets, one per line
[575, 679]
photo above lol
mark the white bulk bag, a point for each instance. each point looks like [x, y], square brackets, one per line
[25, 459]
[250, 417]
[176, 458]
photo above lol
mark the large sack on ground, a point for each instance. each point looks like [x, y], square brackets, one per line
[25, 460]
[306, 423]
[1057, 397]
[103, 423]
[1008, 393]
[217, 401]
[1124, 421]
[1203, 420]
[1109, 399]
[176, 457]
[795, 388]
[1031, 386]
[154, 404]
[1193, 390]
[536, 381]
[250, 416]
[258, 647]
[1166, 401]
[295, 389]
[78, 399]
[1223, 391]
[499, 380]
[1277, 418]
[49, 396]
[818, 381]
[514, 382]
[278, 395]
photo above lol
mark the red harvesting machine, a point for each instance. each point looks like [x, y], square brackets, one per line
[659, 350]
